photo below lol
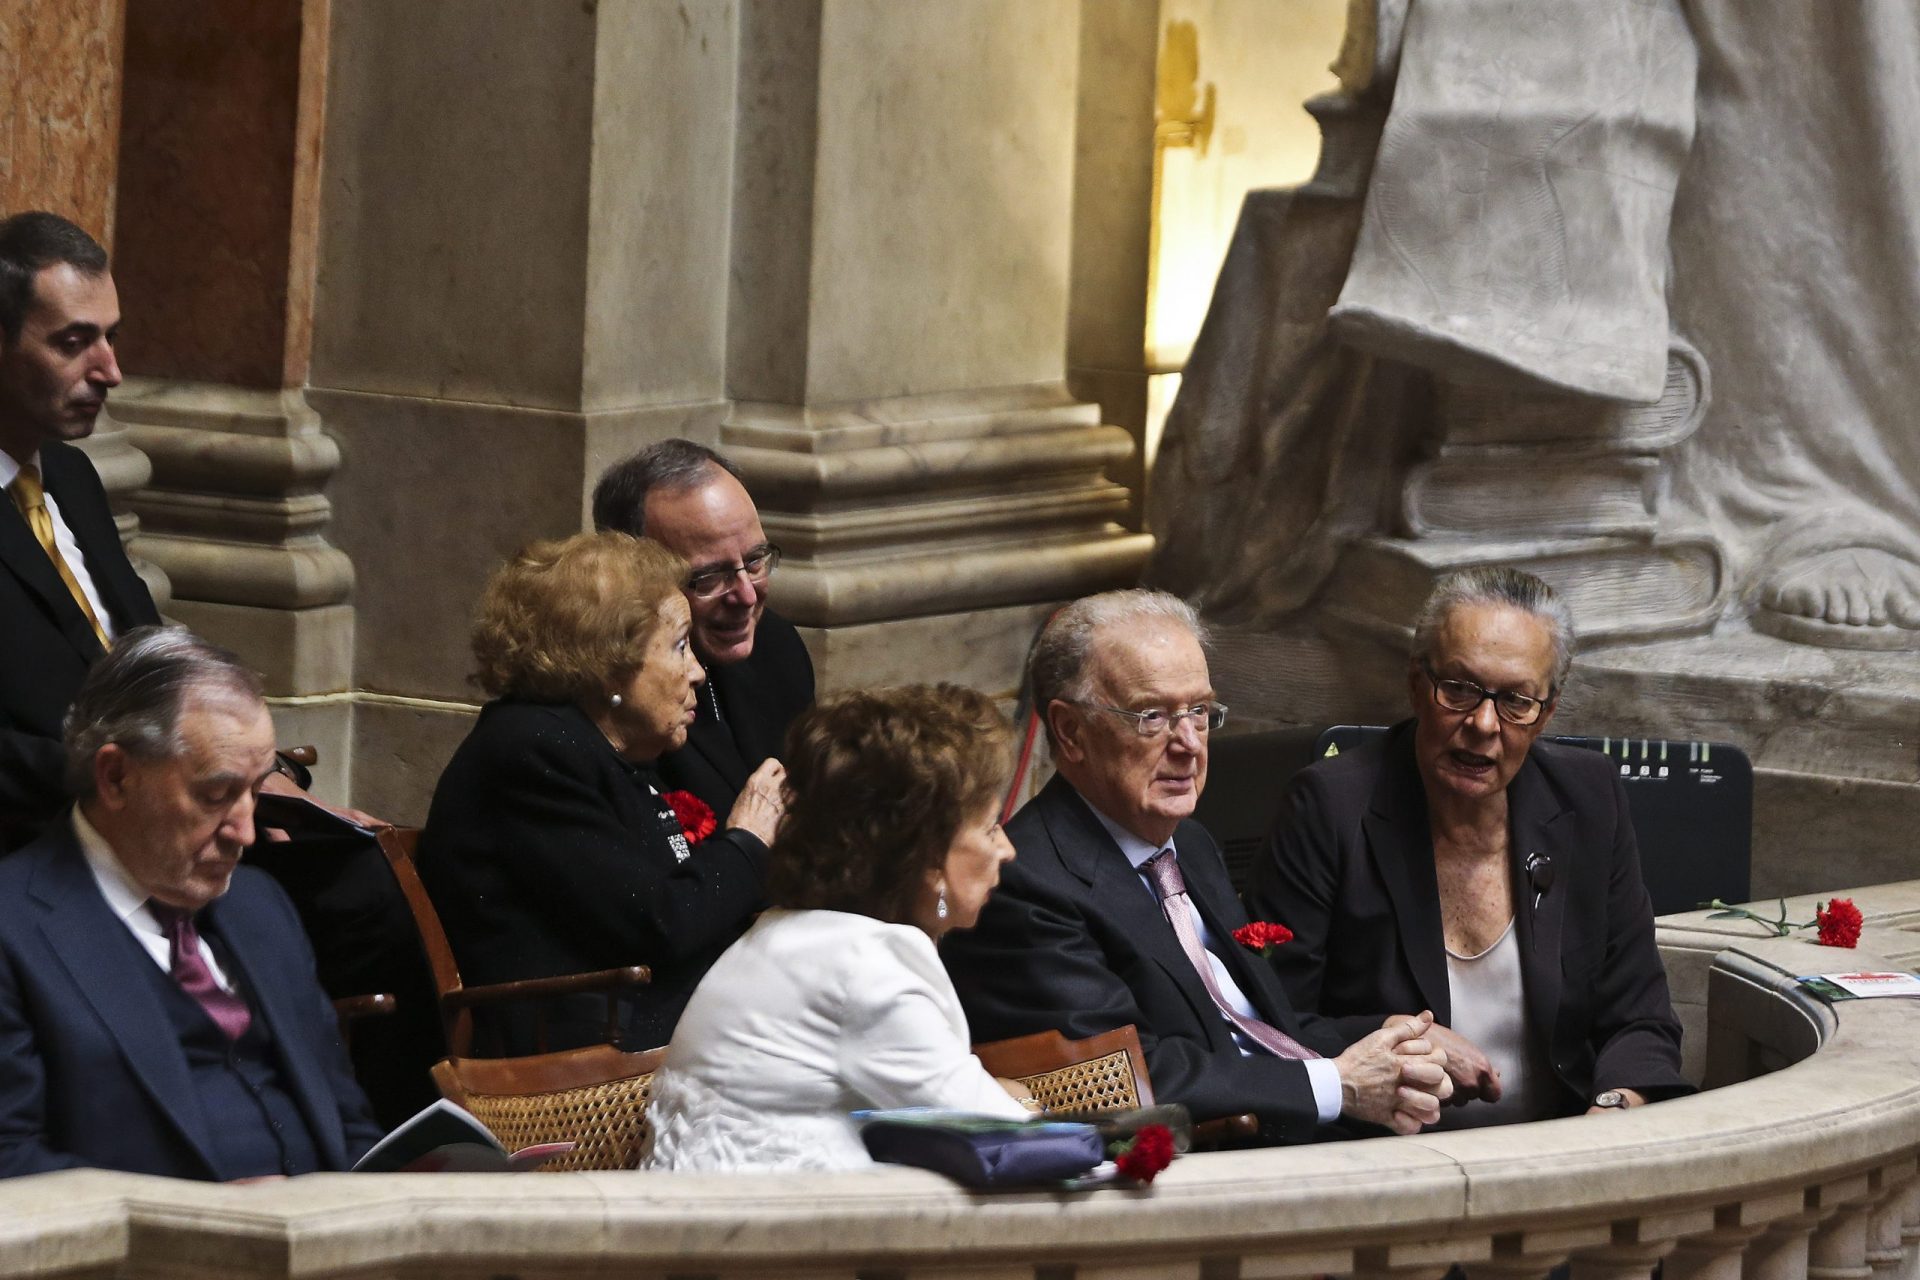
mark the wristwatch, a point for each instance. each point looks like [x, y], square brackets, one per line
[1610, 1098]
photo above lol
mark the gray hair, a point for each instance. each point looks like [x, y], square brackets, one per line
[672, 466]
[133, 698]
[1497, 585]
[1057, 668]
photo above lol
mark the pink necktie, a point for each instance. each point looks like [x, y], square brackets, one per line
[1164, 870]
[189, 968]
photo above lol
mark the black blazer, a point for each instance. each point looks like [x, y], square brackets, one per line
[1349, 869]
[758, 699]
[46, 644]
[1073, 940]
[545, 853]
[91, 1071]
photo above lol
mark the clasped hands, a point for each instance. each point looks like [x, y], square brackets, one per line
[1397, 1076]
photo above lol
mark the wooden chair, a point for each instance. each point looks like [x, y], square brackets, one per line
[457, 1000]
[595, 1097]
[1107, 1072]
[1102, 1073]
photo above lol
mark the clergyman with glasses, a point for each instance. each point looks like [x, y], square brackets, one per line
[1117, 909]
[1462, 866]
[759, 676]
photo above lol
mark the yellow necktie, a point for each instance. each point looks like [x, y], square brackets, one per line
[31, 497]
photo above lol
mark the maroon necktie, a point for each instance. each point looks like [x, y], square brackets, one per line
[189, 968]
[1163, 869]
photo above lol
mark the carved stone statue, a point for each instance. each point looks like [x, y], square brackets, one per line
[1487, 329]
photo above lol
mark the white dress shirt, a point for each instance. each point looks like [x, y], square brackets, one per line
[129, 901]
[62, 538]
[1321, 1073]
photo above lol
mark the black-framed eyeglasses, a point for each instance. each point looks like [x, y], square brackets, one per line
[1156, 723]
[1464, 695]
[758, 565]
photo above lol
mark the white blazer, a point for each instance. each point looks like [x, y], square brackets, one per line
[810, 1015]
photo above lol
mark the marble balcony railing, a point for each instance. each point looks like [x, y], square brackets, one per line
[1807, 1169]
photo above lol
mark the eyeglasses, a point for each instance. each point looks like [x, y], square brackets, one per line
[1157, 723]
[758, 565]
[1465, 695]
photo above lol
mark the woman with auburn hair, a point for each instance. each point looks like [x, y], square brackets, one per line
[836, 999]
[549, 848]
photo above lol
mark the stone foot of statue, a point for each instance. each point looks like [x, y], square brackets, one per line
[1847, 598]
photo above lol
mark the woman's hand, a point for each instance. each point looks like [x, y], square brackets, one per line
[761, 801]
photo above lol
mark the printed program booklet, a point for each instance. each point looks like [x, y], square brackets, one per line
[446, 1138]
[1861, 986]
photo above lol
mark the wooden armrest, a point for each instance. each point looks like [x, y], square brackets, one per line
[380, 1003]
[606, 981]
[1225, 1131]
[306, 756]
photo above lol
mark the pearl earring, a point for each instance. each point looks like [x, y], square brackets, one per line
[940, 907]
[614, 700]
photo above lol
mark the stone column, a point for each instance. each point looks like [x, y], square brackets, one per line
[60, 90]
[896, 343]
[214, 259]
[523, 276]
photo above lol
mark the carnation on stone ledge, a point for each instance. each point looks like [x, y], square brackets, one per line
[1150, 1151]
[1263, 936]
[1839, 923]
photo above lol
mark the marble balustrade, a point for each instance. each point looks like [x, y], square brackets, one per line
[1801, 1162]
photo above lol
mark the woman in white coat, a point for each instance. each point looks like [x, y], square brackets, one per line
[836, 1000]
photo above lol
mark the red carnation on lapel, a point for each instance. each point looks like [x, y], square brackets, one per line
[1263, 936]
[696, 819]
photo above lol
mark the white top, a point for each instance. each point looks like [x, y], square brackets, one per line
[1321, 1073]
[1490, 1009]
[810, 1015]
[128, 900]
[62, 538]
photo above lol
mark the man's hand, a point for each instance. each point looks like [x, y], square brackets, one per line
[1395, 1077]
[761, 801]
[1633, 1097]
[1475, 1079]
[280, 784]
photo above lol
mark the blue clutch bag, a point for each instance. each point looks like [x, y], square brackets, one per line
[983, 1152]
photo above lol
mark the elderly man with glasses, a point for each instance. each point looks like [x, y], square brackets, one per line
[1461, 866]
[759, 675]
[1117, 909]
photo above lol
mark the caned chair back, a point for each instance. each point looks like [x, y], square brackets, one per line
[1101, 1073]
[594, 1097]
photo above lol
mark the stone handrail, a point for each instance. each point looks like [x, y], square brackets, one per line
[1806, 1171]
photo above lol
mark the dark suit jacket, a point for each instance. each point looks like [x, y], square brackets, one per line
[1074, 940]
[1350, 870]
[91, 1072]
[758, 699]
[546, 854]
[46, 644]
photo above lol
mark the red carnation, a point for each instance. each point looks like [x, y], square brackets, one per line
[1150, 1151]
[696, 819]
[1839, 923]
[1263, 936]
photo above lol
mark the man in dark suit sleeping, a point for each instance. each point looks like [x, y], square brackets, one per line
[1117, 909]
[759, 676]
[159, 1011]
